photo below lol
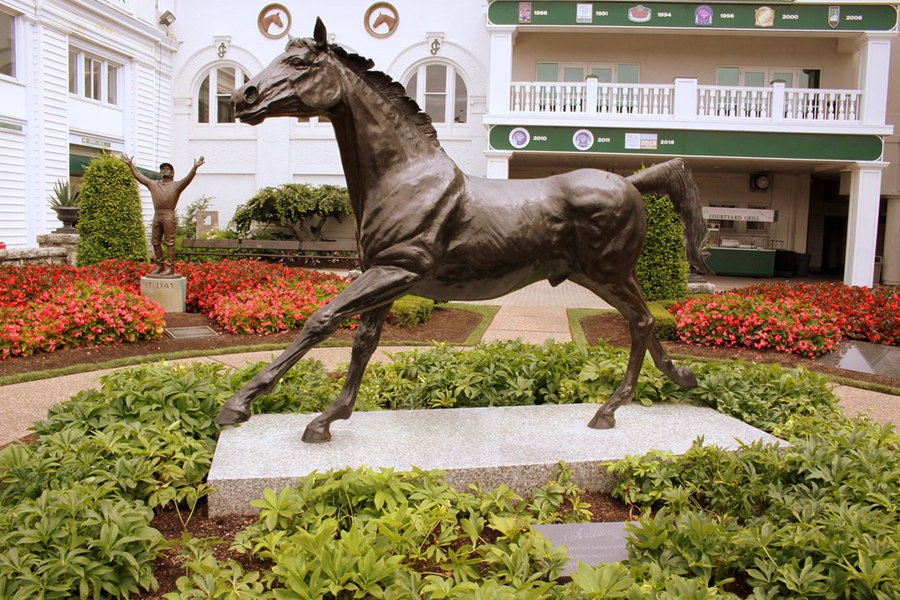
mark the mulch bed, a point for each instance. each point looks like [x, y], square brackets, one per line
[612, 328]
[449, 325]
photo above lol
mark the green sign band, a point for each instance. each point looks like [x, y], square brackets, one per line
[682, 142]
[762, 16]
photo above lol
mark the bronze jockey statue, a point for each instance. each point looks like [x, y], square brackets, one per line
[165, 193]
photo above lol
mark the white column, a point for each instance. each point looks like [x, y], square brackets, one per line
[591, 94]
[874, 69]
[685, 108]
[778, 98]
[501, 70]
[890, 270]
[862, 224]
[497, 164]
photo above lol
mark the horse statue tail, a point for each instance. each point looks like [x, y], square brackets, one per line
[673, 179]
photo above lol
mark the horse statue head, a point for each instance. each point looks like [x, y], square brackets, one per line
[304, 81]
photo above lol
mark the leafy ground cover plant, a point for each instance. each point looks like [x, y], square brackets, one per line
[816, 520]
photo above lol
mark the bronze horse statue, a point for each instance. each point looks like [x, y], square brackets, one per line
[426, 228]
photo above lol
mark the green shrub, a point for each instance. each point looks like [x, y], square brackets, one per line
[409, 311]
[663, 269]
[294, 205]
[110, 223]
[187, 222]
[666, 325]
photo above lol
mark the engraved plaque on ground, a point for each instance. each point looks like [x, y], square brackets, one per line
[591, 543]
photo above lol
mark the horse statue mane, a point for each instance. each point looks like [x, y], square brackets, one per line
[381, 82]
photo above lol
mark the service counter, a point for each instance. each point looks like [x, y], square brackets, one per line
[752, 262]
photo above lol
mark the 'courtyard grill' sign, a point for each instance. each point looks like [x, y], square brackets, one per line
[716, 213]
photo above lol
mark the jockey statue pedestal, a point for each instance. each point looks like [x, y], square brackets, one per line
[170, 292]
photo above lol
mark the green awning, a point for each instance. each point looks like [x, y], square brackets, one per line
[77, 165]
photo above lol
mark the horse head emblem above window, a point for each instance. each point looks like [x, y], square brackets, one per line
[426, 228]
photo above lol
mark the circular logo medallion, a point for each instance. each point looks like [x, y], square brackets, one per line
[382, 20]
[583, 139]
[274, 21]
[519, 137]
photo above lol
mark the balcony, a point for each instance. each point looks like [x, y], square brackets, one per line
[684, 101]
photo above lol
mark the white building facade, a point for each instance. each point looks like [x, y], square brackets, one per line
[785, 111]
[76, 78]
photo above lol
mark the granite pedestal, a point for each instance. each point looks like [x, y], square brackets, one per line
[170, 292]
[517, 446]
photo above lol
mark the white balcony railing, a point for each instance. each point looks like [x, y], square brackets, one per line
[686, 100]
[822, 105]
[734, 102]
[591, 98]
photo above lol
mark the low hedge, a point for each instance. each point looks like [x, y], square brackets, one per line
[665, 324]
[409, 311]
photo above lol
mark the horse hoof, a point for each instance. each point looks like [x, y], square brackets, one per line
[230, 416]
[314, 434]
[685, 378]
[602, 421]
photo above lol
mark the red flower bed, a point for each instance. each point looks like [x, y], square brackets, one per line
[278, 306]
[868, 314]
[248, 296]
[77, 313]
[208, 281]
[44, 308]
[736, 320]
[799, 318]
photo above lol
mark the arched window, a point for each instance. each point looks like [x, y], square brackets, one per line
[214, 96]
[440, 91]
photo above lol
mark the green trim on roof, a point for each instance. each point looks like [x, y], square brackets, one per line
[786, 17]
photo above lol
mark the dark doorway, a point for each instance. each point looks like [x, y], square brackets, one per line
[834, 244]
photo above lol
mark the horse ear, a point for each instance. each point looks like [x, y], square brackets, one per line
[320, 34]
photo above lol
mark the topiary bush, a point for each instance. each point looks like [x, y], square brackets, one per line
[410, 310]
[110, 223]
[294, 205]
[663, 268]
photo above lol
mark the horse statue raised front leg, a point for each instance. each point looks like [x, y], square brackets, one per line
[426, 228]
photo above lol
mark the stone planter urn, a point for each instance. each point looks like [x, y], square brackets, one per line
[68, 215]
